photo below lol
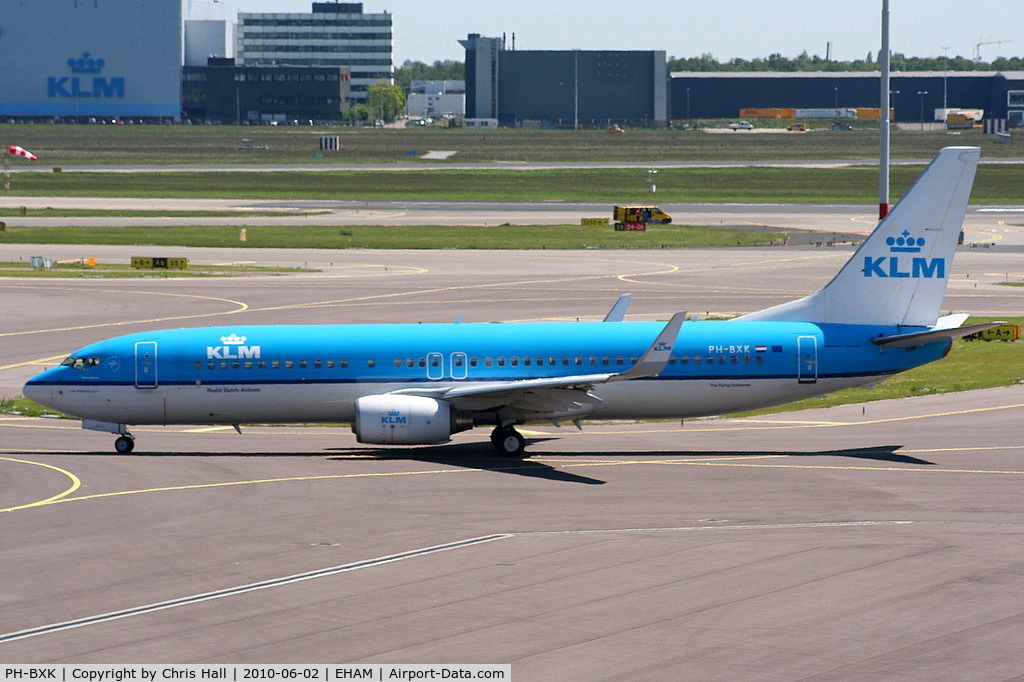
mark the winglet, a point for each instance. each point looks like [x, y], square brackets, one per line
[654, 359]
[618, 311]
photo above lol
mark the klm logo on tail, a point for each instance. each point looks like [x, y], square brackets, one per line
[901, 265]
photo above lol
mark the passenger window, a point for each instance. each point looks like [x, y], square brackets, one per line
[760, 359]
[372, 362]
[211, 365]
[318, 364]
[302, 364]
[344, 364]
[526, 361]
[398, 363]
[488, 362]
[288, 364]
[330, 364]
[199, 364]
[248, 364]
[501, 362]
[514, 362]
[275, 364]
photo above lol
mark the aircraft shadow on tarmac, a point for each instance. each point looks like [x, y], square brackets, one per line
[475, 456]
[479, 456]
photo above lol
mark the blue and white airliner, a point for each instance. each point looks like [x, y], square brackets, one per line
[420, 383]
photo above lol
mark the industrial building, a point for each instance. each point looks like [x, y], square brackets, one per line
[915, 96]
[436, 98]
[222, 92]
[564, 88]
[335, 34]
[83, 60]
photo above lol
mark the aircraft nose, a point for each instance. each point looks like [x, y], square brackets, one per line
[40, 393]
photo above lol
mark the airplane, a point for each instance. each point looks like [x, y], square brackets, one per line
[418, 384]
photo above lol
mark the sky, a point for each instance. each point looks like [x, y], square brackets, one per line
[427, 31]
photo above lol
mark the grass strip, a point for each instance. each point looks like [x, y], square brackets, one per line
[396, 237]
[995, 184]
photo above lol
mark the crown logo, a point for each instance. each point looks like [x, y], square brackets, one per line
[394, 413]
[905, 243]
[233, 340]
[86, 64]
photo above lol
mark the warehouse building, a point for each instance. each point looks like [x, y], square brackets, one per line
[564, 88]
[915, 95]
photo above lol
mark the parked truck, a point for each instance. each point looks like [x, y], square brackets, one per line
[637, 217]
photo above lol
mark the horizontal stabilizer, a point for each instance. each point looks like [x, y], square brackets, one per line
[915, 339]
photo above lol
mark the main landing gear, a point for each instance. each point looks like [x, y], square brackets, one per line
[124, 444]
[508, 441]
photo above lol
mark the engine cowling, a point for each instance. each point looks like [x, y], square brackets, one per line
[406, 420]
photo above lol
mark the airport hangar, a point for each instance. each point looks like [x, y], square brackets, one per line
[594, 88]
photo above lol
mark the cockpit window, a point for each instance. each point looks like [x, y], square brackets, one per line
[80, 363]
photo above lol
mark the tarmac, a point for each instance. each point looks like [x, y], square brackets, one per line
[861, 542]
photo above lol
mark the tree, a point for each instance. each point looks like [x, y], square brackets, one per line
[385, 100]
[439, 71]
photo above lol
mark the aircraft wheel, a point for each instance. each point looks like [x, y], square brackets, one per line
[508, 442]
[124, 444]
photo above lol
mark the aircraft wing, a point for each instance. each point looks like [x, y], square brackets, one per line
[558, 394]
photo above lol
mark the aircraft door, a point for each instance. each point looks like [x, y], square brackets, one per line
[459, 365]
[145, 364]
[435, 366]
[807, 359]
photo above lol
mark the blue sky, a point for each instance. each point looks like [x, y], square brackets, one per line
[426, 30]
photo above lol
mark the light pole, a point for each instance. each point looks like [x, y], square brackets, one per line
[922, 93]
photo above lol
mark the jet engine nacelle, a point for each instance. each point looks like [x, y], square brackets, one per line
[406, 420]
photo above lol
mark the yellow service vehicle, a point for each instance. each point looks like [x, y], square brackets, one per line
[640, 214]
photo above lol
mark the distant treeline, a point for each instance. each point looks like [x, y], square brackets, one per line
[451, 70]
[806, 62]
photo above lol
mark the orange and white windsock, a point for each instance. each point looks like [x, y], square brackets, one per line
[21, 151]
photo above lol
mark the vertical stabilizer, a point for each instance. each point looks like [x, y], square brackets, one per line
[898, 275]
